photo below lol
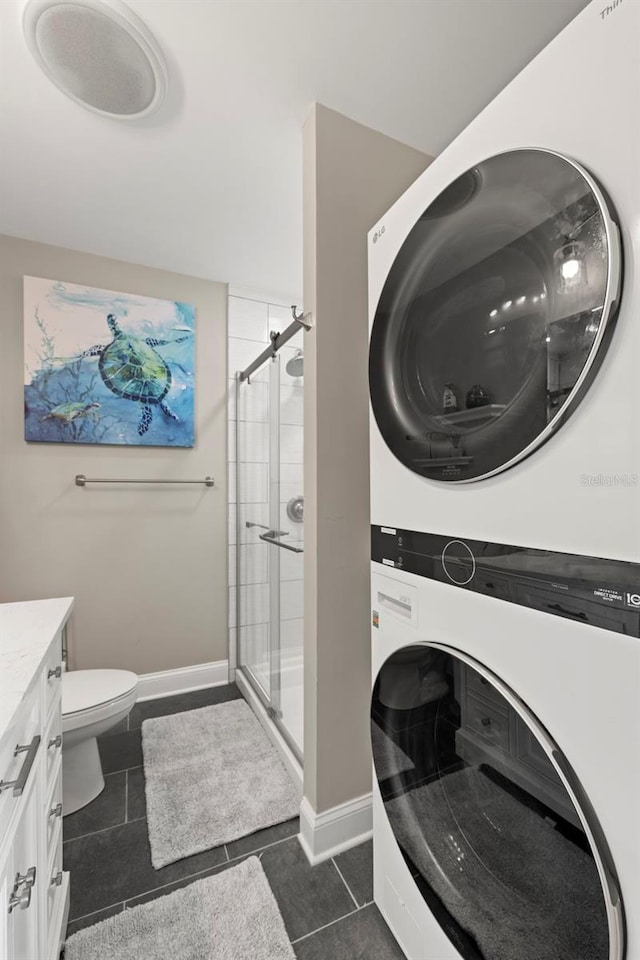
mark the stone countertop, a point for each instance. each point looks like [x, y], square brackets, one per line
[26, 631]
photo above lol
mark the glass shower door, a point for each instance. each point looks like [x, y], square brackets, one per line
[270, 543]
[253, 619]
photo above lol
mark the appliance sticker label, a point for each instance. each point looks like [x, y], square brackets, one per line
[388, 530]
[389, 563]
[605, 593]
[375, 619]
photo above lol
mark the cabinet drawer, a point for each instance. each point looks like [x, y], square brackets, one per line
[486, 722]
[23, 859]
[52, 743]
[484, 690]
[53, 877]
[53, 808]
[25, 726]
[52, 673]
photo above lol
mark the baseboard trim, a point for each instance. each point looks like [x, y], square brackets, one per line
[166, 683]
[324, 835]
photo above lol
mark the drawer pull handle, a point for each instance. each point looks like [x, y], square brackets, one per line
[55, 742]
[57, 673]
[26, 879]
[21, 900]
[57, 880]
[486, 721]
[56, 811]
[19, 784]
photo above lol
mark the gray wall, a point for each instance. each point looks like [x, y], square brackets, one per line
[147, 565]
[352, 174]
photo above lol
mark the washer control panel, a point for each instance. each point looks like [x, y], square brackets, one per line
[590, 590]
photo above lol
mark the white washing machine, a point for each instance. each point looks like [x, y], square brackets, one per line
[505, 457]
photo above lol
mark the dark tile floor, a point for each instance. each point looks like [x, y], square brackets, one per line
[328, 910]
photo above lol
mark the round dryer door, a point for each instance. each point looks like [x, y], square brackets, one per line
[495, 316]
[488, 815]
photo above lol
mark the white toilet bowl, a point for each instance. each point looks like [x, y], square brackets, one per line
[93, 701]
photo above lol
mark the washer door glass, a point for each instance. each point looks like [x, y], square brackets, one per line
[487, 822]
[494, 316]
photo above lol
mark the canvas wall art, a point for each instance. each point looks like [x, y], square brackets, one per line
[107, 367]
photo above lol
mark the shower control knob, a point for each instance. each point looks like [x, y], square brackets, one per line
[458, 562]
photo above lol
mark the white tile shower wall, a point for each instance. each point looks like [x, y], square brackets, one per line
[254, 604]
[291, 404]
[254, 482]
[291, 481]
[291, 600]
[254, 563]
[291, 636]
[291, 443]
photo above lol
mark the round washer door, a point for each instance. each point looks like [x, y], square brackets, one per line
[489, 816]
[495, 316]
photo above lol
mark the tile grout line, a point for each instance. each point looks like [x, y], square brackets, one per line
[345, 883]
[325, 926]
[190, 876]
[94, 833]
[94, 912]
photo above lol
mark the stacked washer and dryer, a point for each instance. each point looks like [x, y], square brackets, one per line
[505, 498]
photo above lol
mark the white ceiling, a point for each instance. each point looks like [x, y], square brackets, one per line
[211, 185]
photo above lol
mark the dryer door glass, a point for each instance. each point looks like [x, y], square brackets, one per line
[485, 820]
[494, 316]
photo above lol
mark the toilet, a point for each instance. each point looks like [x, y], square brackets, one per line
[93, 701]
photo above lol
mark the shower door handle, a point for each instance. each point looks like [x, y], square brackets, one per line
[273, 536]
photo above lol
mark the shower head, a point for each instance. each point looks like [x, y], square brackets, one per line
[295, 366]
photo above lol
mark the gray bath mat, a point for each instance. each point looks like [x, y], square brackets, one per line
[211, 775]
[230, 916]
[511, 880]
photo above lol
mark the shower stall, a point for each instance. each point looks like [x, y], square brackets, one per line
[270, 532]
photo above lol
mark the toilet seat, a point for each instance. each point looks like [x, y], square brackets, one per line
[89, 696]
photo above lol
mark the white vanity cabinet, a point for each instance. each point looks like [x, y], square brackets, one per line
[34, 891]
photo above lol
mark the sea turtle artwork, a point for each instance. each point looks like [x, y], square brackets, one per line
[132, 368]
[107, 367]
[68, 412]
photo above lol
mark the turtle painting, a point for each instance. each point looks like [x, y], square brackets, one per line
[107, 367]
[68, 412]
[132, 368]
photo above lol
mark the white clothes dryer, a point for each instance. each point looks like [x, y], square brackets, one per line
[505, 312]
[505, 463]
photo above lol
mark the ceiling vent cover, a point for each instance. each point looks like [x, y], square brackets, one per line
[99, 53]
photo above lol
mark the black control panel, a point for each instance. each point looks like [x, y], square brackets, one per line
[590, 590]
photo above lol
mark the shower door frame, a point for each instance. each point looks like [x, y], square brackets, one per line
[270, 702]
